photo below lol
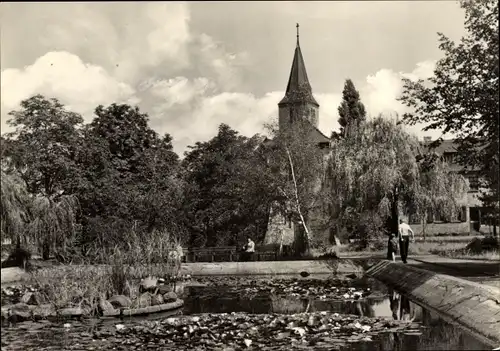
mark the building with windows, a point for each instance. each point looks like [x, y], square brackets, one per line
[471, 214]
[299, 104]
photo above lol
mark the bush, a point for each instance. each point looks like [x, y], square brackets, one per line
[19, 257]
[369, 232]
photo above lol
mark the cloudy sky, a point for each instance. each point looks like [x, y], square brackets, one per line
[192, 66]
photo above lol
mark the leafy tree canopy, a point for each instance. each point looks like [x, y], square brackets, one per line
[351, 110]
[462, 96]
[44, 145]
[376, 171]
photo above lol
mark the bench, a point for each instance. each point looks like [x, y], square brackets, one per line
[212, 254]
[232, 254]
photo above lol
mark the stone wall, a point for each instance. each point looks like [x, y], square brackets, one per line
[474, 306]
[272, 267]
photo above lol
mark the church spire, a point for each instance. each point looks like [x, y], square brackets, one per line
[297, 35]
[298, 88]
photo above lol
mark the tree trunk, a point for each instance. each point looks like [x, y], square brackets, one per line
[46, 250]
[394, 223]
[281, 242]
[297, 203]
[424, 223]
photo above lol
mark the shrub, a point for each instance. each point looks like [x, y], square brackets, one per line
[19, 257]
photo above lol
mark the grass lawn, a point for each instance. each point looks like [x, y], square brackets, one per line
[447, 246]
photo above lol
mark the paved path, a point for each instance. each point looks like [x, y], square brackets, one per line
[480, 271]
[473, 306]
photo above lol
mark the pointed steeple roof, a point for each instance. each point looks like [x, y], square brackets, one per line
[298, 88]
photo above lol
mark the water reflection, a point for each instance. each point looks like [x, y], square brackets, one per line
[435, 334]
[430, 331]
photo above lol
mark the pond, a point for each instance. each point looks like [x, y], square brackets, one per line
[261, 314]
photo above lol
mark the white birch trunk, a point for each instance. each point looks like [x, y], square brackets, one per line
[297, 201]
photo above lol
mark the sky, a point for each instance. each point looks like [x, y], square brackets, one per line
[192, 66]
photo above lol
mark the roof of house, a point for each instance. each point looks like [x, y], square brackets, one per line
[446, 145]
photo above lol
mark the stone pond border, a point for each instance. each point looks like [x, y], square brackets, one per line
[270, 267]
[126, 312]
[73, 312]
[473, 306]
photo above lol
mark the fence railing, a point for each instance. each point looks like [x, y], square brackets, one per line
[232, 254]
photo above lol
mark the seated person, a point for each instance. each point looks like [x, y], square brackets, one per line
[248, 250]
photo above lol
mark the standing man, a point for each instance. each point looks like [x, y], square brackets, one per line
[404, 234]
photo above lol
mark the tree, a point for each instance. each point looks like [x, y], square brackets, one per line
[297, 165]
[441, 190]
[42, 152]
[43, 146]
[129, 177]
[374, 176]
[227, 191]
[462, 96]
[351, 110]
[15, 204]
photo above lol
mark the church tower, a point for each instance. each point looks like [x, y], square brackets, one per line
[299, 102]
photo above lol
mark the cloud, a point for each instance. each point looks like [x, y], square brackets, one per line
[213, 60]
[156, 34]
[189, 109]
[62, 75]
[244, 112]
[381, 91]
[187, 81]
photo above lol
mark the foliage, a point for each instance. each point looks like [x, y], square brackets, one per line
[462, 96]
[227, 194]
[128, 177]
[42, 152]
[53, 223]
[297, 165]
[88, 182]
[351, 110]
[19, 257]
[14, 204]
[43, 146]
[375, 173]
[441, 191]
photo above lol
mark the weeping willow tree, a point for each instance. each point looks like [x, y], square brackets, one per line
[14, 207]
[440, 190]
[373, 177]
[53, 223]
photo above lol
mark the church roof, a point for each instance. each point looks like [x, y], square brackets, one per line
[298, 88]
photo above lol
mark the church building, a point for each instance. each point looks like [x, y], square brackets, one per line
[299, 102]
[298, 106]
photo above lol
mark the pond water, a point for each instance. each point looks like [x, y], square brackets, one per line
[430, 331]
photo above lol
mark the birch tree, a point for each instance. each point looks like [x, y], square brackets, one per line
[299, 166]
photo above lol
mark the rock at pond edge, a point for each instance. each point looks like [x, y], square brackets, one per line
[170, 297]
[143, 301]
[157, 300]
[120, 301]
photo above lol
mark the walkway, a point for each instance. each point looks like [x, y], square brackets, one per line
[481, 271]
